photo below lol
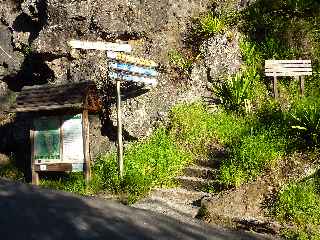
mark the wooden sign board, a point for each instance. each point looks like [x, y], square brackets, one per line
[131, 59]
[133, 69]
[102, 46]
[132, 78]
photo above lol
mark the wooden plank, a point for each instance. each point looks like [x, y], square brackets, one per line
[133, 69]
[132, 78]
[286, 65]
[288, 74]
[280, 69]
[102, 46]
[54, 167]
[45, 108]
[131, 59]
[61, 137]
[287, 61]
[34, 174]
[86, 145]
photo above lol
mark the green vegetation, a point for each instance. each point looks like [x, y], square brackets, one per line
[153, 162]
[209, 25]
[180, 62]
[298, 203]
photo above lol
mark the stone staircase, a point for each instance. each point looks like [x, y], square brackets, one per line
[184, 201]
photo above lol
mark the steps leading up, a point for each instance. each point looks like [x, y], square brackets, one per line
[184, 201]
[194, 183]
[201, 172]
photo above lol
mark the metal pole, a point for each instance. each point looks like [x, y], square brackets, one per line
[119, 122]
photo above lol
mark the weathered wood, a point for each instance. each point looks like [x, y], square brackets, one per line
[281, 69]
[275, 87]
[102, 46]
[52, 98]
[288, 68]
[288, 65]
[34, 174]
[61, 138]
[119, 123]
[86, 145]
[288, 74]
[54, 167]
[302, 85]
[287, 61]
[131, 59]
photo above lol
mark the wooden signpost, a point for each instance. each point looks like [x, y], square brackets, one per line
[287, 68]
[122, 67]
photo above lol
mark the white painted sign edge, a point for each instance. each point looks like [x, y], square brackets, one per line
[102, 46]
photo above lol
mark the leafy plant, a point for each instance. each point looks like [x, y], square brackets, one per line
[180, 62]
[305, 119]
[235, 90]
[210, 25]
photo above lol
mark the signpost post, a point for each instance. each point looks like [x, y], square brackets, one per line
[122, 68]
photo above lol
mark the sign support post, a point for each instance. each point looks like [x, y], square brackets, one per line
[119, 123]
[143, 73]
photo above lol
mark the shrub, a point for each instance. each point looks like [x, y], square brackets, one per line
[299, 203]
[153, 162]
[235, 91]
[252, 155]
[209, 25]
[180, 62]
[305, 119]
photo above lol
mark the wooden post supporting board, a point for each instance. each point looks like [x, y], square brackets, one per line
[119, 123]
[302, 85]
[275, 86]
[34, 173]
[86, 145]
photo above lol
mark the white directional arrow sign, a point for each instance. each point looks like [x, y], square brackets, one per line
[102, 46]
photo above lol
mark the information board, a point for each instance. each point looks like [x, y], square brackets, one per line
[52, 132]
[47, 140]
[72, 139]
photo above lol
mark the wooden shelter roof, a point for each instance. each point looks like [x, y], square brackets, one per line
[79, 96]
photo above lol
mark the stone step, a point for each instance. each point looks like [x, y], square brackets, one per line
[194, 183]
[179, 195]
[201, 172]
[176, 210]
[212, 163]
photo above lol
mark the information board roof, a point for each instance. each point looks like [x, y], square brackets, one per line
[79, 96]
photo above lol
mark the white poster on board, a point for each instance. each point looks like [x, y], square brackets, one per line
[72, 139]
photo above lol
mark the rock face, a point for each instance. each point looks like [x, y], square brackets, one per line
[34, 50]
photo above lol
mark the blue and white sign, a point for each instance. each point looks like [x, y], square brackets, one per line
[133, 69]
[132, 78]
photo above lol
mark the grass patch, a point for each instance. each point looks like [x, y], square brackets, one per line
[298, 203]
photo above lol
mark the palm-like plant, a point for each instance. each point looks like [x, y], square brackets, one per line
[234, 92]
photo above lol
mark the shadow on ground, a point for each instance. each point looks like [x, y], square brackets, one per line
[31, 213]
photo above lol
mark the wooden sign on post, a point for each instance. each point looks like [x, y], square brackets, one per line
[140, 71]
[122, 68]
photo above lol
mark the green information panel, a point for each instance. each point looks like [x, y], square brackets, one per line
[47, 140]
